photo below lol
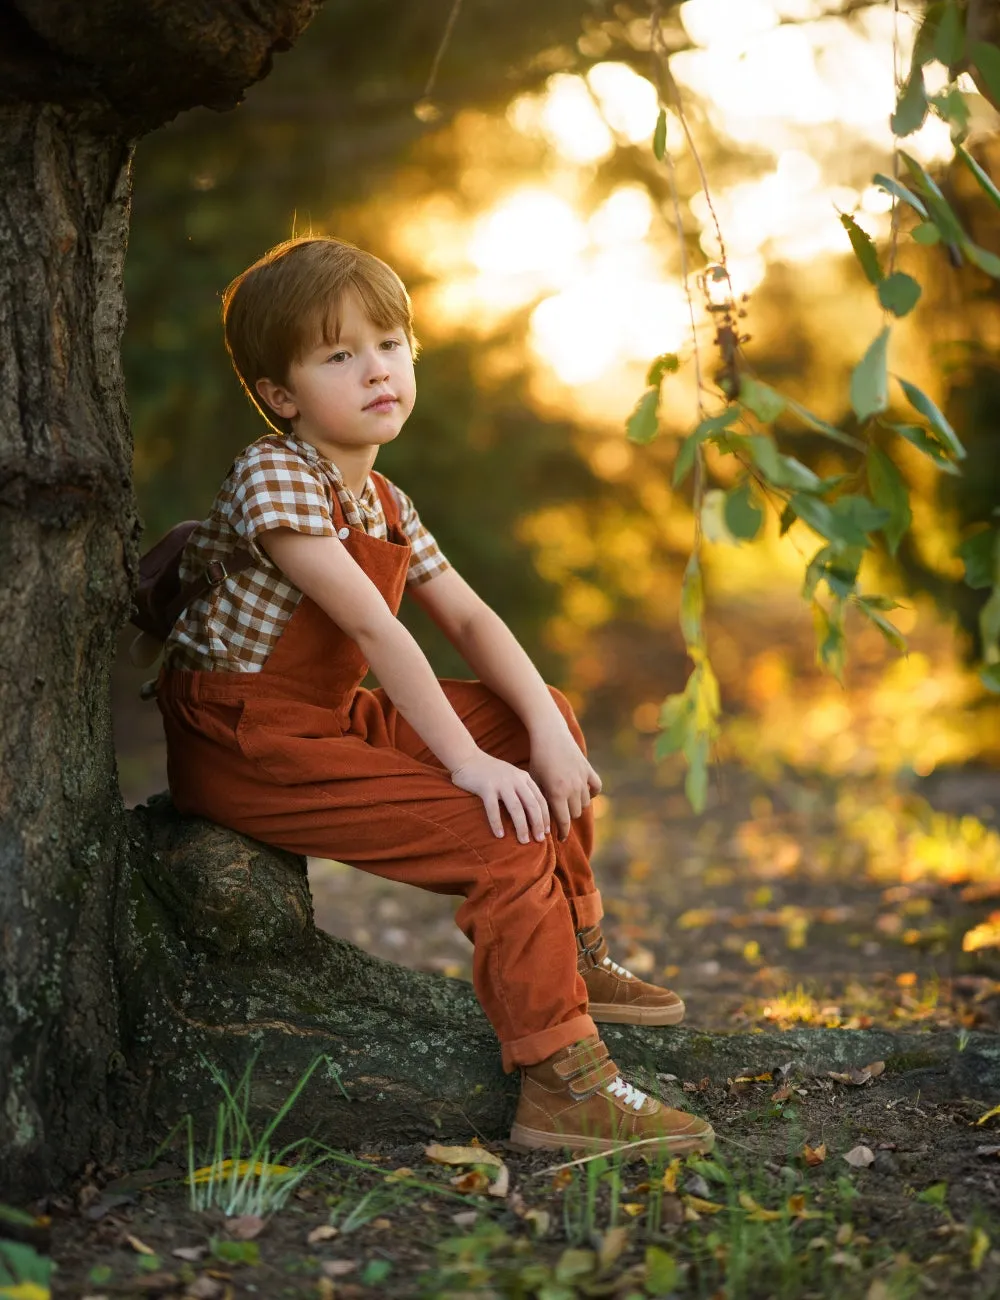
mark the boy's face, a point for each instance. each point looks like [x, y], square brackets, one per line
[353, 394]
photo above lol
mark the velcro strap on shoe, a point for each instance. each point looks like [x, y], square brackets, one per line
[593, 1080]
[586, 1069]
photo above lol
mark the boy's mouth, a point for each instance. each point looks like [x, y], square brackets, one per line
[384, 402]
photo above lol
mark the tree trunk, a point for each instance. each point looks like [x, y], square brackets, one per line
[67, 546]
[77, 83]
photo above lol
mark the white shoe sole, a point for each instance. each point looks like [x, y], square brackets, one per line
[678, 1144]
[614, 1013]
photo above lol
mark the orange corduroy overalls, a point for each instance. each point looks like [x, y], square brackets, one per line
[300, 756]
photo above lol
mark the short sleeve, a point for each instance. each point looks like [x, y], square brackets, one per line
[426, 558]
[274, 488]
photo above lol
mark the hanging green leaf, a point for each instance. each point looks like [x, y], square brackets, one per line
[793, 474]
[856, 517]
[676, 714]
[899, 293]
[870, 380]
[938, 207]
[667, 364]
[918, 436]
[983, 258]
[926, 233]
[761, 399]
[986, 57]
[708, 428]
[692, 603]
[899, 190]
[989, 627]
[949, 38]
[982, 177]
[923, 404]
[990, 678]
[765, 455]
[660, 136]
[892, 634]
[864, 249]
[837, 567]
[911, 107]
[821, 426]
[889, 492]
[743, 516]
[952, 107]
[818, 515]
[980, 554]
[696, 781]
[788, 517]
[830, 645]
[643, 424]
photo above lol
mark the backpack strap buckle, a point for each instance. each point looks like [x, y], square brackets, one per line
[216, 572]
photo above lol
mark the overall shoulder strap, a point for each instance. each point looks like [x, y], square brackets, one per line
[390, 502]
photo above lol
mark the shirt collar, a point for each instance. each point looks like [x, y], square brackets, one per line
[313, 457]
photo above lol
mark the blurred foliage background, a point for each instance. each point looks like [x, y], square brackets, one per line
[522, 204]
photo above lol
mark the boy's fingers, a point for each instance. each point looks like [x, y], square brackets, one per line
[492, 806]
[516, 809]
[594, 781]
[560, 811]
[543, 808]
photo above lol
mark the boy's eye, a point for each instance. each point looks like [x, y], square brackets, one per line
[392, 344]
[338, 356]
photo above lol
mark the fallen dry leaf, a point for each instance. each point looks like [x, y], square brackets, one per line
[633, 1208]
[797, 1208]
[671, 1174]
[338, 1267]
[156, 1282]
[702, 1206]
[465, 1218]
[500, 1185]
[990, 1114]
[470, 1155]
[192, 1254]
[539, 1220]
[205, 1288]
[138, 1246]
[244, 1227]
[875, 1068]
[474, 1181]
[859, 1157]
[740, 1085]
[381, 1224]
[782, 1093]
[612, 1245]
[988, 1151]
[562, 1179]
[701, 1086]
[323, 1233]
[757, 1213]
[814, 1155]
[397, 1175]
[845, 1260]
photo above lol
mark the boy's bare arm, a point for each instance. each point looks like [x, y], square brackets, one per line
[322, 569]
[494, 654]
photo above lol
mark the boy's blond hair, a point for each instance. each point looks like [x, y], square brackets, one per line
[291, 299]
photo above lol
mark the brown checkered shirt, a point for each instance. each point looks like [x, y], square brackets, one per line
[277, 482]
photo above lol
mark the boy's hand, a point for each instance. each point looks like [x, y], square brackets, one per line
[496, 781]
[567, 780]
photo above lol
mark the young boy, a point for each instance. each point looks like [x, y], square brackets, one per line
[480, 788]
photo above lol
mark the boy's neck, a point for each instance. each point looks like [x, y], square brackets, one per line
[354, 463]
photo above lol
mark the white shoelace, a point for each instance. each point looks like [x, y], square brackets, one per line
[618, 970]
[632, 1096]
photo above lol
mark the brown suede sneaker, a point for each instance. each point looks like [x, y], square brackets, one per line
[615, 995]
[576, 1099]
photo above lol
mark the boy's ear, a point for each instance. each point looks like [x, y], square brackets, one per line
[279, 399]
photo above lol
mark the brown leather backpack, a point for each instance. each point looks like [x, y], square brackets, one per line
[161, 597]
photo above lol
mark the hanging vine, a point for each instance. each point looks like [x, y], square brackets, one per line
[869, 504]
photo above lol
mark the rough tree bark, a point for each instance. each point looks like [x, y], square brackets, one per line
[77, 84]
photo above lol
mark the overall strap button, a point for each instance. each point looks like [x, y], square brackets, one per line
[343, 534]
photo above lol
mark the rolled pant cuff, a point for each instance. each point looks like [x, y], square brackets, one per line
[587, 910]
[536, 1047]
